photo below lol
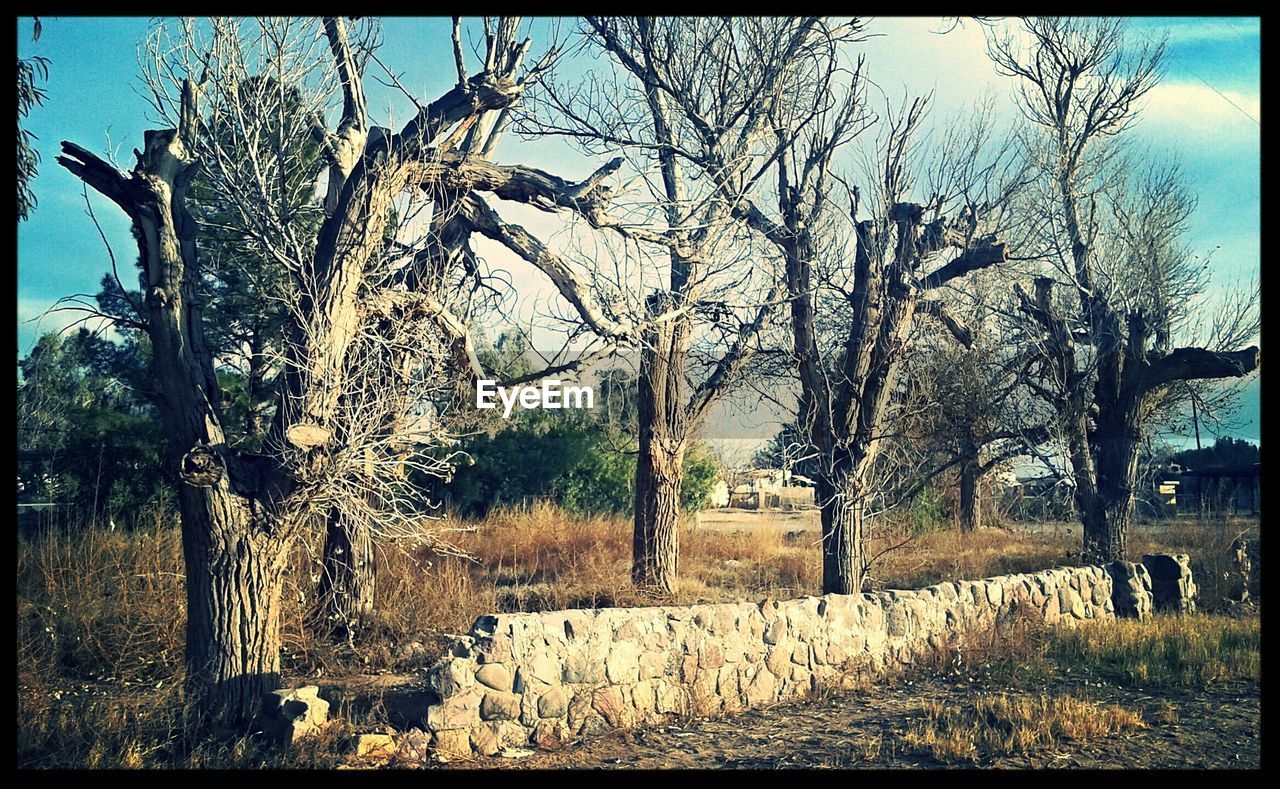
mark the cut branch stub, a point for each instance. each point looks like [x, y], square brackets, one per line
[1190, 364]
[308, 436]
[201, 467]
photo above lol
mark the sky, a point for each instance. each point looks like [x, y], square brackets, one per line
[1205, 114]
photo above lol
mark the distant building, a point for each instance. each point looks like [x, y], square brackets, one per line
[1033, 486]
[772, 488]
[1237, 489]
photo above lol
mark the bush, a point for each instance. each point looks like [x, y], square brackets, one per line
[574, 462]
[89, 435]
[928, 512]
[700, 474]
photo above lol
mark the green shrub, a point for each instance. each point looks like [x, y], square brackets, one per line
[928, 512]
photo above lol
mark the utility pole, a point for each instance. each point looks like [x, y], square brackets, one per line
[1195, 417]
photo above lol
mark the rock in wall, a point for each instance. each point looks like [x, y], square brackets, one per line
[542, 678]
[1130, 589]
[1172, 588]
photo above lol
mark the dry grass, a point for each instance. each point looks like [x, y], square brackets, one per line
[101, 621]
[1168, 651]
[978, 728]
[950, 555]
[1208, 543]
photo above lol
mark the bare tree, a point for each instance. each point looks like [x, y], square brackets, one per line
[689, 103]
[366, 338]
[855, 295]
[1109, 229]
[966, 407]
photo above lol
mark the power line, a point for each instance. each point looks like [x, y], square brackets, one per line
[1223, 95]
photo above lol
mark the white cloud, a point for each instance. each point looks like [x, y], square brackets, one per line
[1198, 107]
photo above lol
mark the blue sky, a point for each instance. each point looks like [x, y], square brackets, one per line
[1205, 113]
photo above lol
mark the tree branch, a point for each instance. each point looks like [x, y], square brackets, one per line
[1190, 364]
[521, 184]
[938, 310]
[488, 223]
[987, 253]
[727, 369]
[99, 174]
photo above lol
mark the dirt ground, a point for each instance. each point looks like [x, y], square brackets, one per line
[1210, 728]
[747, 520]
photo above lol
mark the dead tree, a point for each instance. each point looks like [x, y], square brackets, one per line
[966, 408]
[687, 102]
[1105, 353]
[340, 419]
[854, 297]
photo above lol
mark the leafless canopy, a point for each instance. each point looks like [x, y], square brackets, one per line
[1108, 226]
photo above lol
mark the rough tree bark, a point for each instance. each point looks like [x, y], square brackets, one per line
[241, 511]
[348, 578]
[1081, 81]
[1103, 423]
[233, 548]
[235, 579]
[843, 409]
[842, 537]
[701, 134]
[970, 497]
[363, 189]
[663, 439]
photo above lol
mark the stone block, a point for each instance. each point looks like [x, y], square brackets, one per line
[495, 676]
[484, 740]
[458, 712]
[1172, 587]
[452, 744]
[374, 747]
[499, 706]
[553, 704]
[1130, 589]
[293, 713]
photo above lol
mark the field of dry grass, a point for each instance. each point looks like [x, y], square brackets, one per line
[100, 616]
[1005, 724]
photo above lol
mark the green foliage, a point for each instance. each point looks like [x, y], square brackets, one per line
[542, 456]
[928, 511]
[700, 474]
[29, 96]
[1226, 451]
[86, 430]
[582, 461]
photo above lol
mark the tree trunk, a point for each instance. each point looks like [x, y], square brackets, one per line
[235, 576]
[660, 465]
[1106, 519]
[970, 497]
[348, 577]
[656, 547]
[842, 556]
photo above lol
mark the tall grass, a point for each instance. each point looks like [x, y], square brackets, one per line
[1169, 651]
[974, 729]
[101, 619]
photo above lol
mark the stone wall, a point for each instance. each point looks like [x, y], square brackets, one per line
[542, 678]
[1172, 588]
